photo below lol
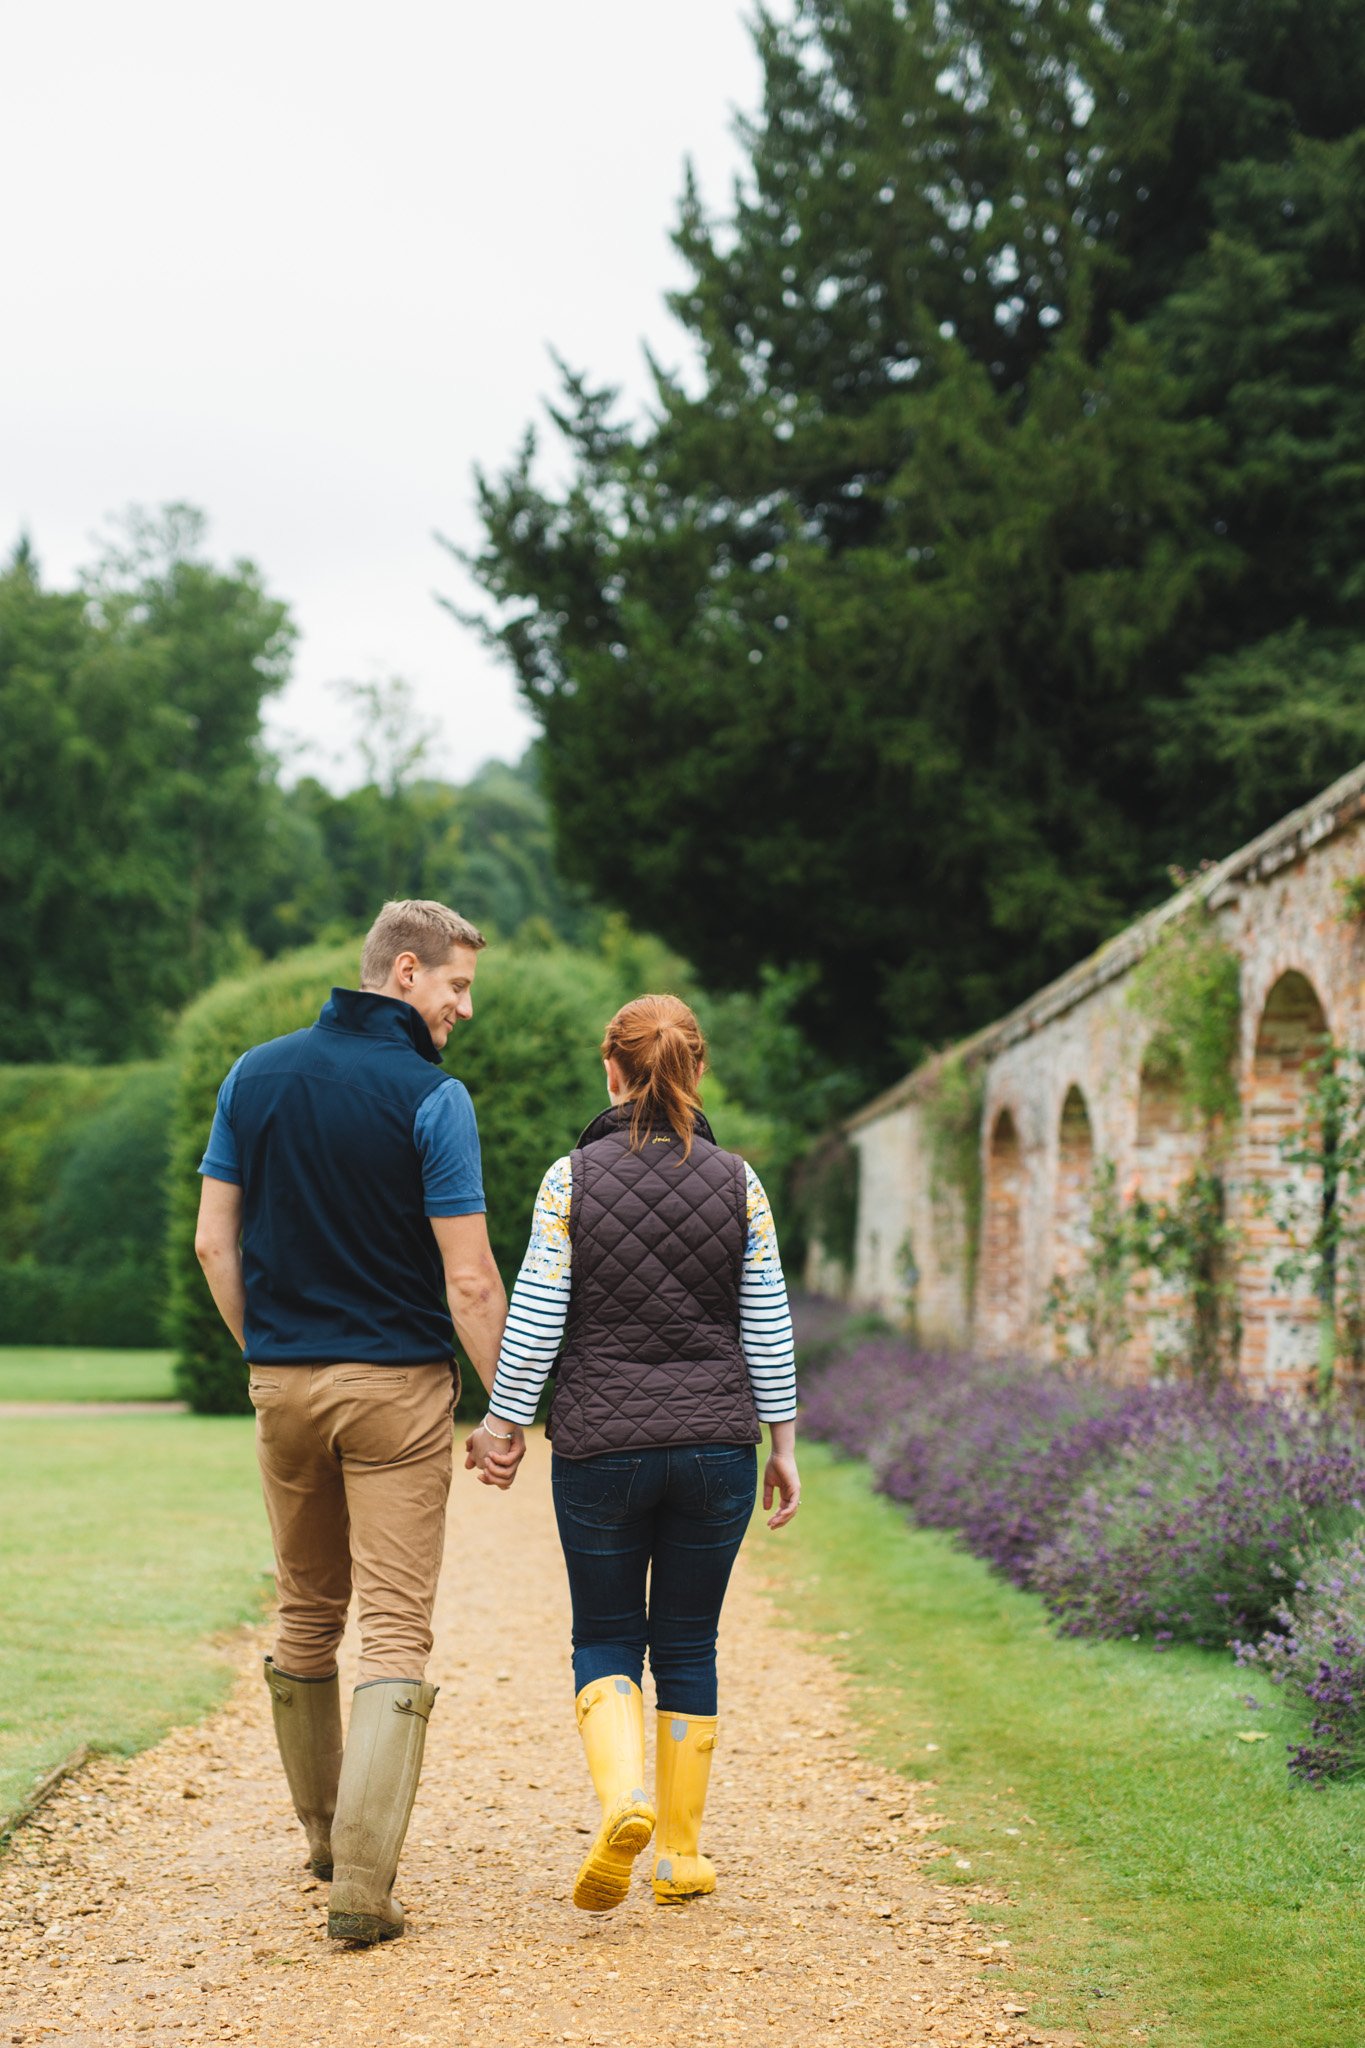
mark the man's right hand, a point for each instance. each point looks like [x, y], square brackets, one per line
[495, 1458]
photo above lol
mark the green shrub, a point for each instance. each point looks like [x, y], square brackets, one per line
[105, 1307]
[42, 1110]
[82, 1204]
[108, 1201]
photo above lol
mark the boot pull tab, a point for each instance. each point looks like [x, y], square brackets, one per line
[707, 1742]
[280, 1688]
[420, 1702]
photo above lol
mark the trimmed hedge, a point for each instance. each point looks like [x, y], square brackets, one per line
[42, 1109]
[108, 1197]
[529, 1059]
[82, 1204]
[99, 1307]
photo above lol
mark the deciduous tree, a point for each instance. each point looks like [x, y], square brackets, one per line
[132, 787]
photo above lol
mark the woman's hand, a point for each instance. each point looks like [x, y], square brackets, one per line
[781, 1480]
[496, 1458]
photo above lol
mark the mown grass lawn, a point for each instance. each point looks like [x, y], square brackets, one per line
[127, 1542]
[37, 1373]
[1168, 1881]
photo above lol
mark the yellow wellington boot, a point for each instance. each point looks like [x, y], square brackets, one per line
[611, 1720]
[682, 1770]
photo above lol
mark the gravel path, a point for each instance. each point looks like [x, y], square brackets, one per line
[164, 1900]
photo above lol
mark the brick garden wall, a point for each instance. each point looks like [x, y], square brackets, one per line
[1067, 1083]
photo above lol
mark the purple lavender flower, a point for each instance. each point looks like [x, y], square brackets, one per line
[1236, 1489]
[1316, 1651]
[1168, 1512]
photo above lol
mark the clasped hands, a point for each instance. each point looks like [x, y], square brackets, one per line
[495, 1458]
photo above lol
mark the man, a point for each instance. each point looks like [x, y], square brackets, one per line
[342, 1232]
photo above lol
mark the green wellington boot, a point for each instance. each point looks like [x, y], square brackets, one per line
[307, 1715]
[379, 1773]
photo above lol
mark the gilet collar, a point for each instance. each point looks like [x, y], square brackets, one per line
[376, 1016]
[617, 1118]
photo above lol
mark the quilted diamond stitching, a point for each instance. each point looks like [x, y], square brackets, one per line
[653, 1349]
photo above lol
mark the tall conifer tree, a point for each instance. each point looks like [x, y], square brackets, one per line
[1007, 550]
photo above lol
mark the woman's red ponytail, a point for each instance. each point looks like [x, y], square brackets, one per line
[657, 1044]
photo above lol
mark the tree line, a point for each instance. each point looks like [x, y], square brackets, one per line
[148, 844]
[998, 549]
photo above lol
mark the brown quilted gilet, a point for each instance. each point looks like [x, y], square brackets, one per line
[651, 1354]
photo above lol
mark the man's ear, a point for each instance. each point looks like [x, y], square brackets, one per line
[405, 966]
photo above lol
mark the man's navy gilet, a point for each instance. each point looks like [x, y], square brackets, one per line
[338, 1257]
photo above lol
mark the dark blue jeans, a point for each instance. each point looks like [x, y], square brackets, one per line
[675, 1519]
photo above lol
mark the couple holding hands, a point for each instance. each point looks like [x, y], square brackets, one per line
[342, 1233]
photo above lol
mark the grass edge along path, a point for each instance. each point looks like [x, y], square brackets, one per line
[1167, 1882]
[128, 1543]
[32, 1372]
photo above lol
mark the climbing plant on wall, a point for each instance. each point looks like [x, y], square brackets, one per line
[825, 1192]
[1090, 1310]
[1319, 1209]
[1188, 986]
[1351, 898]
[1185, 1244]
[1188, 1244]
[951, 1113]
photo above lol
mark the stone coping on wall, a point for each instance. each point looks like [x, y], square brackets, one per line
[1338, 806]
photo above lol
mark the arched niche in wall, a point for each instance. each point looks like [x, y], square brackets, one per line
[1075, 1178]
[1279, 1324]
[1000, 1318]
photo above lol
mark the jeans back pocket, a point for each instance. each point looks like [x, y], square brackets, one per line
[729, 1475]
[595, 1489]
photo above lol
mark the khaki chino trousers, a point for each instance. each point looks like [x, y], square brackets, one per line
[355, 1466]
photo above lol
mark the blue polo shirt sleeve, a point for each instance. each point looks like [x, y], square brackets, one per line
[220, 1160]
[447, 1139]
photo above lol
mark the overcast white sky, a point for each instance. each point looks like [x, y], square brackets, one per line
[300, 265]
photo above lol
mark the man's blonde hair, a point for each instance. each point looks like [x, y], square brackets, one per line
[414, 925]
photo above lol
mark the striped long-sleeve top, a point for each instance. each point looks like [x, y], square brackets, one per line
[539, 1307]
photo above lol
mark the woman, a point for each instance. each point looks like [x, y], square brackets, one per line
[653, 1273]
